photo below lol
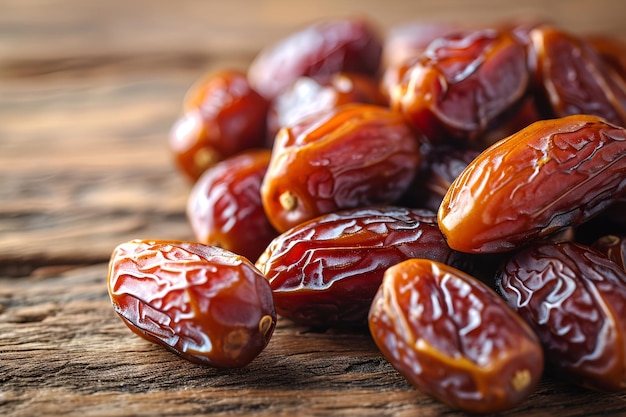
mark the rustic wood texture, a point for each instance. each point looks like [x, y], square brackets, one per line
[88, 92]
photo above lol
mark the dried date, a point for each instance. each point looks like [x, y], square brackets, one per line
[322, 48]
[551, 175]
[573, 297]
[454, 338]
[223, 115]
[463, 84]
[315, 94]
[224, 206]
[572, 78]
[352, 156]
[204, 303]
[325, 272]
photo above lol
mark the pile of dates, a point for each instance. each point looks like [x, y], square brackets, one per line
[457, 191]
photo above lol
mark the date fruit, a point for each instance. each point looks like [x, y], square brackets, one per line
[204, 303]
[453, 338]
[322, 48]
[574, 298]
[572, 78]
[325, 272]
[224, 206]
[309, 95]
[222, 116]
[463, 84]
[353, 156]
[548, 176]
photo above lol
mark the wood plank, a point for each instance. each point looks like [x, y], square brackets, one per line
[88, 92]
[65, 352]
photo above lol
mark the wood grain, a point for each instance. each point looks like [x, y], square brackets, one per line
[88, 92]
[65, 352]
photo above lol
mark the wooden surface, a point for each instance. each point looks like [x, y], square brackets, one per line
[88, 92]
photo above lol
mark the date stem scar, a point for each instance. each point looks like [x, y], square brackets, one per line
[204, 159]
[521, 379]
[265, 324]
[288, 201]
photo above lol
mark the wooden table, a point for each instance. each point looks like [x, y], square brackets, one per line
[88, 92]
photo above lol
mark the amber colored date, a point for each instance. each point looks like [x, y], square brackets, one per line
[222, 116]
[325, 272]
[550, 175]
[322, 48]
[573, 297]
[224, 206]
[453, 338]
[572, 78]
[463, 84]
[352, 156]
[204, 303]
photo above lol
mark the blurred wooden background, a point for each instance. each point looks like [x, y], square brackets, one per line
[88, 92]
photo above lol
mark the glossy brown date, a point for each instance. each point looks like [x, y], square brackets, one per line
[322, 48]
[573, 297]
[463, 84]
[222, 116]
[550, 175]
[454, 338]
[353, 156]
[572, 78]
[224, 206]
[204, 303]
[325, 272]
[309, 95]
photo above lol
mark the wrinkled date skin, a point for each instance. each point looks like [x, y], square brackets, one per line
[310, 95]
[613, 247]
[453, 338]
[573, 297]
[224, 206]
[322, 48]
[550, 175]
[463, 84]
[353, 156]
[572, 78]
[204, 303]
[325, 272]
[222, 116]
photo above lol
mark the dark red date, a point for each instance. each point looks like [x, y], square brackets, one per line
[572, 78]
[309, 95]
[204, 303]
[453, 338]
[551, 175]
[322, 48]
[325, 272]
[463, 84]
[573, 297]
[224, 206]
